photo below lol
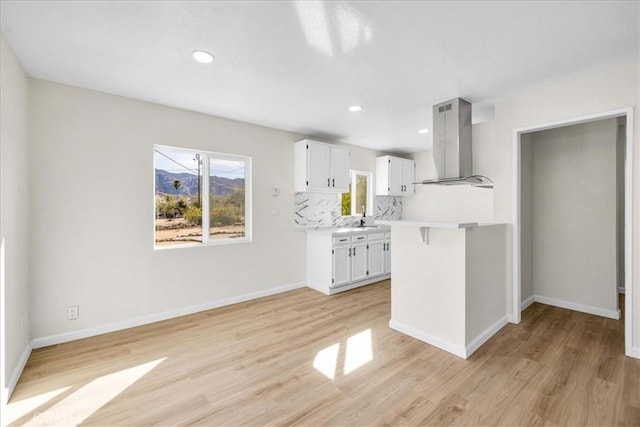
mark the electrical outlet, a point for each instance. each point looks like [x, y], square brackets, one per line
[73, 311]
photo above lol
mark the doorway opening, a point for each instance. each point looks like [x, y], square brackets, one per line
[573, 216]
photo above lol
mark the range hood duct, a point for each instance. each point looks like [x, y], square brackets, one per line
[452, 145]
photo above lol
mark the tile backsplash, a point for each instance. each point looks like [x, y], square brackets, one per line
[315, 210]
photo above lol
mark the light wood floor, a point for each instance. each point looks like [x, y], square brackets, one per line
[253, 364]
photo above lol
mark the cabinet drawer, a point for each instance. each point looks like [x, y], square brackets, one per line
[341, 240]
[376, 236]
[359, 238]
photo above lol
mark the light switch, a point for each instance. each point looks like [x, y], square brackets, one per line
[275, 192]
[275, 212]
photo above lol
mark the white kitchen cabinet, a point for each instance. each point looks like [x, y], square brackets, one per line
[338, 261]
[321, 167]
[394, 176]
[359, 260]
[340, 166]
[377, 253]
[341, 266]
[408, 177]
[318, 164]
[387, 253]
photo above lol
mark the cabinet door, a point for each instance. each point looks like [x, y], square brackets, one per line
[408, 176]
[387, 256]
[358, 262]
[376, 258]
[395, 176]
[340, 169]
[341, 266]
[318, 166]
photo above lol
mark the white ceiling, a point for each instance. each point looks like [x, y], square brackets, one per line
[298, 65]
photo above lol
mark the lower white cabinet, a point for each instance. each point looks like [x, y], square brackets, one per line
[377, 254]
[387, 253]
[359, 257]
[341, 260]
[341, 266]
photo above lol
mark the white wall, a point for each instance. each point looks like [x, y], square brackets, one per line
[14, 214]
[453, 203]
[604, 90]
[428, 294]
[574, 214]
[450, 292]
[92, 198]
[486, 278]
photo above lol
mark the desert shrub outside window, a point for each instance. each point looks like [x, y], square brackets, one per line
[201, 197]
[359, 198]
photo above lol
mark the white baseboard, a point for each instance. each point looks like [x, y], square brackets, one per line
[621, 289]
[633, 352]
[15, 375]
[612, 314]
[429, 339]
[485, 335]
[333, 291]
[139, 321]
[526, 303]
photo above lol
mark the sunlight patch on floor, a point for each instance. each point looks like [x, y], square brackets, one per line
[16, 410]
[358, 352]
[80, 405]
[326, 360]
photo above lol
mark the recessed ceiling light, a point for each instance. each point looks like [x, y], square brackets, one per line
[355, 108]
[423, 131]
[202, 56]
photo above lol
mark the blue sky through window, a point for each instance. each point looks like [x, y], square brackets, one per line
[183, 161]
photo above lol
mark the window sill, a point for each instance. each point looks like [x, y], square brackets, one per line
[220, 242]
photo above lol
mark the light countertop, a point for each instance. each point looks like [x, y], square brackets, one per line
[435, 224]
[348, 230]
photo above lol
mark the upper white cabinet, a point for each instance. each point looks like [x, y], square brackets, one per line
[394, 176]
[321, 167]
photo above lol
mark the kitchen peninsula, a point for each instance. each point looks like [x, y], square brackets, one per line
[448, 282]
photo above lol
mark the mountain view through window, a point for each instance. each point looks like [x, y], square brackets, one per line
[179, 201]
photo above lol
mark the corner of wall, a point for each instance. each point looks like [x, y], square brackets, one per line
[12, 382]
[14, 224]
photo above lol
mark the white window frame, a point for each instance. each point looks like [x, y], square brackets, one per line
[369, 208]
[205, 156]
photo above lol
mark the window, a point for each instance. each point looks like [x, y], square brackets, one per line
[179, 201]
[359, 197]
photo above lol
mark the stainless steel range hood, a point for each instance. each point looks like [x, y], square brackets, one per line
[452, 146]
